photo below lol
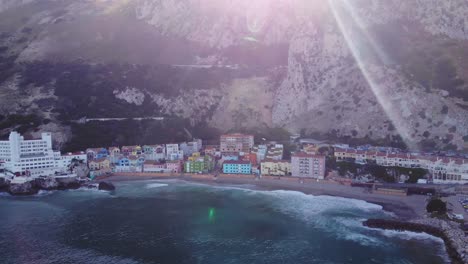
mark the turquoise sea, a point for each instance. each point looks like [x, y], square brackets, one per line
[180, 222]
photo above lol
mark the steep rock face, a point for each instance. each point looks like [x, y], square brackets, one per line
[221, 24]
[362, 68]
[7, 4]
[49, 183]
[335, 83]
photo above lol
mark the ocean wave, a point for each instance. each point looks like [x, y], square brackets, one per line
[44, 192]
[319, 202]
[408, 235]
[316, 204]
[248, 188]
[362, 239]
[155, 185]
[299, 202]
[336, 216]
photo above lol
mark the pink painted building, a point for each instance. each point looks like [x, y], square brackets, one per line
[174, 166]
[308, 165]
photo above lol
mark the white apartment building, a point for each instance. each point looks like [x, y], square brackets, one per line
[34, 157]
[441, 169]
[191, 147]
[28, 157]
[173, 152]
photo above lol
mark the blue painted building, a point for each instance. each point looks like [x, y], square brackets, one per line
[124, 162]
[103, 153]
[237, 167]
[230, 156]
[140, 161]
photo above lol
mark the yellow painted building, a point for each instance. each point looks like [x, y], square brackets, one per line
[99, 164]
[137, 150]
[276, 168]
[194, 156]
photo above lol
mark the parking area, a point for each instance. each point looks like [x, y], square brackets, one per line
[459, 205]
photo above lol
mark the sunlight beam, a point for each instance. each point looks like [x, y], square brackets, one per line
[379, 93]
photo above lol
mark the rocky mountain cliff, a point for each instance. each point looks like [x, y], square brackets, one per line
[389, 71]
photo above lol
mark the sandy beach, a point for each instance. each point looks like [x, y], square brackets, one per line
[404, 207]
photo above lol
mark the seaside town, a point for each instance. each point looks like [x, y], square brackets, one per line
[237, 154]
[312, 162]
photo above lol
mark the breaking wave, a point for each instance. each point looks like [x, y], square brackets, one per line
[342, 217]
[155, 185]
[45, 192]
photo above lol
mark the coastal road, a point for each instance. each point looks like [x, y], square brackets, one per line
[85, 120]
[455, 205]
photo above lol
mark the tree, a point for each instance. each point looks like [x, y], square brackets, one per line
[380, 173]
[436, 205]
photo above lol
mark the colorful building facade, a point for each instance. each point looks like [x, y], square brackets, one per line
[199, 164]
[99, 164]
[276, 168]
[237, 167]
[174, 166]
[154, 166]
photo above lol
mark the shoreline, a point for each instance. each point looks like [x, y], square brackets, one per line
[403, 207]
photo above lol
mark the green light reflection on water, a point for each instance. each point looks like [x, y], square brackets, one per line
[211, 214]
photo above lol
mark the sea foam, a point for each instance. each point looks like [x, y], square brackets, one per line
[155, 185]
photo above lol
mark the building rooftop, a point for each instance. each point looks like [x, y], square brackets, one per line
[305, 155]
[94, 149]
[237, 162]
[153, 162]
[132, 157]
[230, 153]
[130, 147]
[236, 135]
[99, 160]
[276, 161]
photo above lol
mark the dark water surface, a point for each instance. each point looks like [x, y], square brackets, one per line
[177, 222]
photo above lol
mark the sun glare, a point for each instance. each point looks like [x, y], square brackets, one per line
[347, 21]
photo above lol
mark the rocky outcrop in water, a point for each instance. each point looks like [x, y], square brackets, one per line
[68, 184]
[27, 188]
[454, 238]
[50, 183]
[106, 186]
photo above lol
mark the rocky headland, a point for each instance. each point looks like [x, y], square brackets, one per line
[455, 240]
[51, 183]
